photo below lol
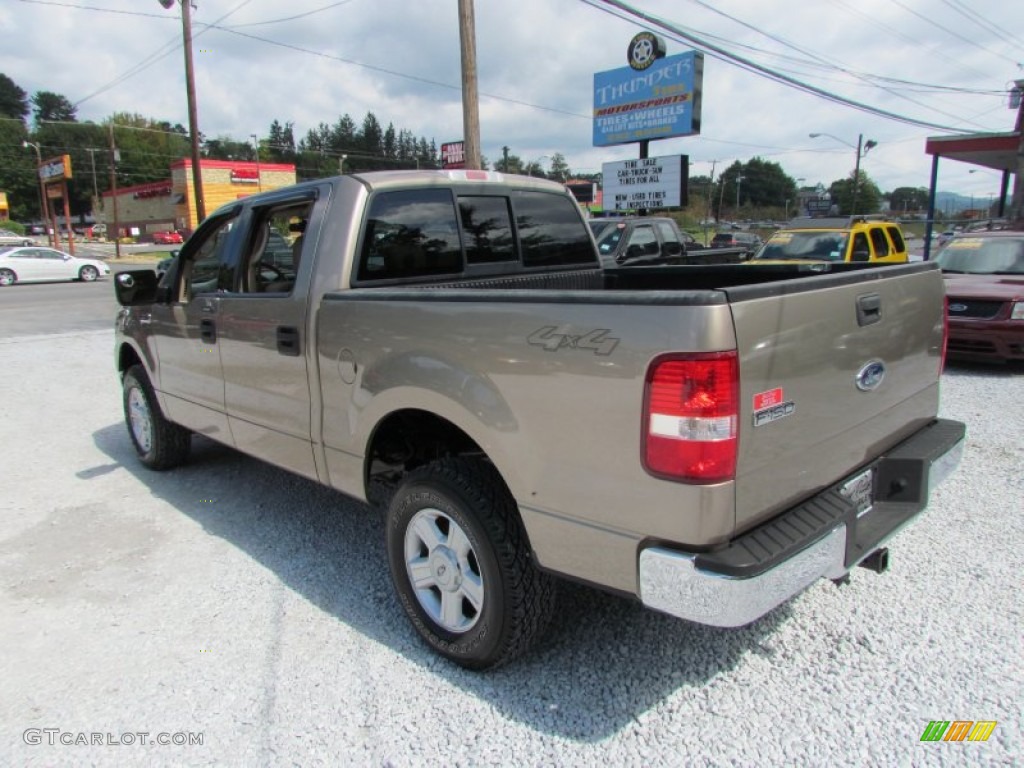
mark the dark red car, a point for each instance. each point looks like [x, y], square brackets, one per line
[167, 238]
[984, 274]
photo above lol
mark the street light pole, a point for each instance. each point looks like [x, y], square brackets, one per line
[862, 150]
[259, 176]
[739, 180]
[44, 208]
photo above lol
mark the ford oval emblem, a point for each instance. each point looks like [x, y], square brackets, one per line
[957, 307]
[870, 376]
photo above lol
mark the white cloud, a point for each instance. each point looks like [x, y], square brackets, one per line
[404, 66]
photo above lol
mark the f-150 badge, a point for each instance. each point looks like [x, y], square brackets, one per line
[771, 406]
[597, 341]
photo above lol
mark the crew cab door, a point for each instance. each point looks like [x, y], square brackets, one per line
[187, 333]
[263, 334]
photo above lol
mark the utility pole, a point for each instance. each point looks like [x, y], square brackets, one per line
[95, 189]
[739, 180]
[193, 113]
[504, 160]
[470, 98]
[113, 194]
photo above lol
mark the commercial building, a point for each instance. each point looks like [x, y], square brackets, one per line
[163, 206]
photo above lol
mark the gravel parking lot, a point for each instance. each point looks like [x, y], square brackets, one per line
[230, 603]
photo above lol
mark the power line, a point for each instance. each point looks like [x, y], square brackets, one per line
[761, 70]
[953, 32]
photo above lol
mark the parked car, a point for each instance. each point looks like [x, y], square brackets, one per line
[984, 274]
[871, 239]
[632, 241]
[167, 238]
[13, 238]
[34, 265]
[748, 240]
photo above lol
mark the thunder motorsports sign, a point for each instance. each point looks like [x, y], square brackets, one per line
[659, 102]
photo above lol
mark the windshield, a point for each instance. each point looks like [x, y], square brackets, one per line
[983, 256]
[607, 236]
[820, 246]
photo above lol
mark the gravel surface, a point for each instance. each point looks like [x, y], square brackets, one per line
[235, 601]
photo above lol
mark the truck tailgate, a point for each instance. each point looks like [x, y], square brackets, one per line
[833, 371]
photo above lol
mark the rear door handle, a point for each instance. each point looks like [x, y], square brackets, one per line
[869, 309]
[288, 341]
[208, 331]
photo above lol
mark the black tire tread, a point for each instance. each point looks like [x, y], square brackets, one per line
[171, 442]
[531, 593]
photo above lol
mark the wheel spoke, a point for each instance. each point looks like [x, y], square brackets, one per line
[458, 542]
[420, 574]
[426, 529]
[473, 589]
[451, 610]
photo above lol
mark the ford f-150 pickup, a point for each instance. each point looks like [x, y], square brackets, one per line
[445, 344]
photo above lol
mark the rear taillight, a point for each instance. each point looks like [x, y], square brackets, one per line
[691, 412]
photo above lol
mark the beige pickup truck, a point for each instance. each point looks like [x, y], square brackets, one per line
[444, 344]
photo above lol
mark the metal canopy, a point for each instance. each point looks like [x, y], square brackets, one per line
[997, 151]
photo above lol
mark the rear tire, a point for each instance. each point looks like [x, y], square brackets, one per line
[7, 277]
[159, 443]
[461, 566]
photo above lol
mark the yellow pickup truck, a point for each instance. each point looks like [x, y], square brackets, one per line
[857, 238]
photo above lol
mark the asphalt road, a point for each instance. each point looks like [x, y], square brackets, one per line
[232, 604]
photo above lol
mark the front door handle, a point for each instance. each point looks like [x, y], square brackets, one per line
[288, 341]
[208, 331]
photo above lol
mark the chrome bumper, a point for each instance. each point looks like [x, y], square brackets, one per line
[674, 583]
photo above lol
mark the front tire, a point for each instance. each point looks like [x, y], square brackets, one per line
[88, 274]
[159, 443]
[461, 566]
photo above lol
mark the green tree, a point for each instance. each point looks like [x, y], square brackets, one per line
[147, 148]
[908, 199]
[18, 171]
[869, 197]
[560, 168]
[280, 145]
[13, 99]
[49, 106]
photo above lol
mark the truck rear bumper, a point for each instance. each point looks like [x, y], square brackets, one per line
[823, 537]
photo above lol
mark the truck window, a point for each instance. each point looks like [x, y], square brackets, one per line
[412, 233]
[551, 230]
[487, 228]
[275, 251]
[642, 242]
[897, 239]
[208, 269]
[880, 242]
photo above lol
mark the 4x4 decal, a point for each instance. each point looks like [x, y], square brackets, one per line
[551, 339]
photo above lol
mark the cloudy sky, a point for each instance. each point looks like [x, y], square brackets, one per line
[935, 66]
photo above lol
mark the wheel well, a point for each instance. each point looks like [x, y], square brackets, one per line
[408, 439]
[126, 358]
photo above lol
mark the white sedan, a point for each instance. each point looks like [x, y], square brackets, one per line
[13, 238]
[33, 264]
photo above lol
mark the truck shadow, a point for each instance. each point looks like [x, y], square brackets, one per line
[604, 662]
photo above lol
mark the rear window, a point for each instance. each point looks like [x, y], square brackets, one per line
[897, 239]
[880, 242]
[411, 233]
[551, 230]
[426, 232]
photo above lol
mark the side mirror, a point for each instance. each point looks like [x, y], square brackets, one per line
[634, 252]
[861, 255]
[136, 287]
[674, 249]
